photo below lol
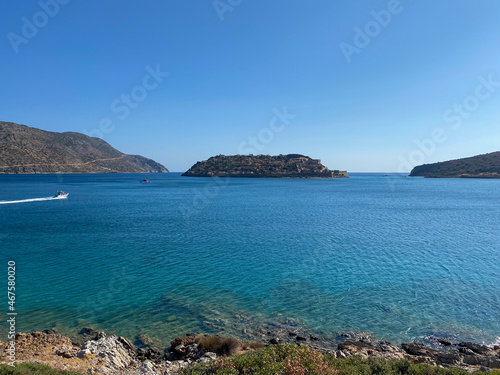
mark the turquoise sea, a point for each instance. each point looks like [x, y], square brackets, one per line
[398, 257]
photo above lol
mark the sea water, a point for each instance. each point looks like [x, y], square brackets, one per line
[397, 257]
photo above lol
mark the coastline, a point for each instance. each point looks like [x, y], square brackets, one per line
[93, 351]
[220, 311]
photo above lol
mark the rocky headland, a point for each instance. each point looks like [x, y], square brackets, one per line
[480, 166]
[99, 352]
[284, 166]
[27, 150]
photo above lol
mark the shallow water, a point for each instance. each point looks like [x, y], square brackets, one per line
[399, 257]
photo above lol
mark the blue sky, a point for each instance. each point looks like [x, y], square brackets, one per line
[422, 85]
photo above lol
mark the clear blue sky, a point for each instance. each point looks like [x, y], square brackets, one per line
[230, 68]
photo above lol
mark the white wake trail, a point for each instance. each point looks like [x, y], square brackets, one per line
[32, 200]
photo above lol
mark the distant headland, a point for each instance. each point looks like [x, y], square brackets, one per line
[284, 166]
[27, 150]
[480, 166]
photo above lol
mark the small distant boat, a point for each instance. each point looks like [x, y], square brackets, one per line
[144, 181]
[61, 195]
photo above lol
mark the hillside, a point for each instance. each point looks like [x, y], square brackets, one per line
[480, 166]
[24, 149]
[293, 165]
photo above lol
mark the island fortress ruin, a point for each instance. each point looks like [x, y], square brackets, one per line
[284, 166]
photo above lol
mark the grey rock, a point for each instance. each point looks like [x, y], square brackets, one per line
[451, 356]
[81, 353]
[492, 362]
[476, 348]
[471, 359]
[417, 349]
[207, 357]
[340, 354]
[444, 342]
[117, 356]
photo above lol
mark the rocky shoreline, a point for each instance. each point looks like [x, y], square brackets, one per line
[263, 166]
[99, 352]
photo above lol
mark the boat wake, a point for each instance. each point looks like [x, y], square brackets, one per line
[33, 200]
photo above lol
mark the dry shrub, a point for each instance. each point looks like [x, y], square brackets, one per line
[219, 345]
[322, 367]
[305, 361]
[293, 366]
[252, 345]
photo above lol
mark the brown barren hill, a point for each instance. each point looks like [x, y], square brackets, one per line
[25, 150]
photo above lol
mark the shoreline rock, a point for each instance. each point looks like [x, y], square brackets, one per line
[111, 354]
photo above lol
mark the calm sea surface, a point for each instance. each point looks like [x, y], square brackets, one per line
[398, 257]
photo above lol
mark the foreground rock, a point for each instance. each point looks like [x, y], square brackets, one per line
[289, 166]
[469, 356]
[463, 354]
[51, 349]
[105, 354]
[110, 354]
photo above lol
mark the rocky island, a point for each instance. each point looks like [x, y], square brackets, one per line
[284, 166]
[25, 150]
[480, 166]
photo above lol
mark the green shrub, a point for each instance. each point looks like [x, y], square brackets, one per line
[359, 366]
[272, 360]
[32, 369]
[290, 359]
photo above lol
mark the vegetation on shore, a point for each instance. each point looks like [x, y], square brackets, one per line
[291, 359]
[32, 369]
[292, 165]
[281, 359]
[480, 166]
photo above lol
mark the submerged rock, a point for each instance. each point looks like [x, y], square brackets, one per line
[84, 335]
